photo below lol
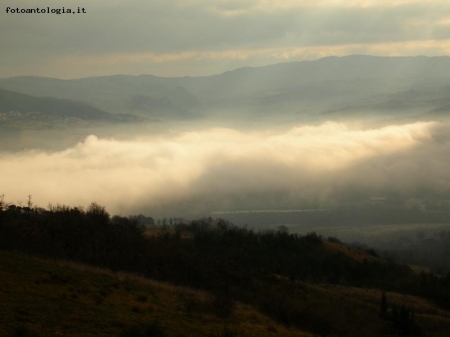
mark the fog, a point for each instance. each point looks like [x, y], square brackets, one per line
[218, 169]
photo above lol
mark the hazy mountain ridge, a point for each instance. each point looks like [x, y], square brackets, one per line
[49, 106]
[295, 89]
[115, 94]
[173, 104]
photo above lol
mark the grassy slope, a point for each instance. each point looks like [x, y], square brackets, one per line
[67, 299]
[429, 317]
[64, 298]
[434, 321]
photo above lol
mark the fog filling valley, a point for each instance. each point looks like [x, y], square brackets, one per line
[217, 169]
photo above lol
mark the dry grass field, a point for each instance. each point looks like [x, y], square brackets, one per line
[53, 298]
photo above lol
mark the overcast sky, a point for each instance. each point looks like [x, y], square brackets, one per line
[203, 37]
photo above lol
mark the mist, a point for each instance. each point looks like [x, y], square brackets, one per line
[218, 169]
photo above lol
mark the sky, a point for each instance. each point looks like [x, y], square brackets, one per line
[204, 37]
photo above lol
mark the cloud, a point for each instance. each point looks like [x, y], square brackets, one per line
[198, 172]
[197, 37]
[204, 63]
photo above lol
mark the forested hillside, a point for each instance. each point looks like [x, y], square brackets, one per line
[283, 275]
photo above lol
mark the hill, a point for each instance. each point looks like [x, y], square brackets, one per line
[114, 94]
[13, 103]
[46, 122]
[371, 85]
[285, 276]
[54, 298]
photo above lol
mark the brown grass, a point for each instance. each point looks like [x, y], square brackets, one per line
[72, 299]
[355, 254]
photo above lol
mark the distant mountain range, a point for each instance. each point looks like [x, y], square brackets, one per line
[13, 102]
[114, 94]
[332, 87]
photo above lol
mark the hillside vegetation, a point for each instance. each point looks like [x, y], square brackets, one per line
[299, 281]
[56, 298]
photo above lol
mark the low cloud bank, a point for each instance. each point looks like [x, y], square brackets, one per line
[195, 173]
